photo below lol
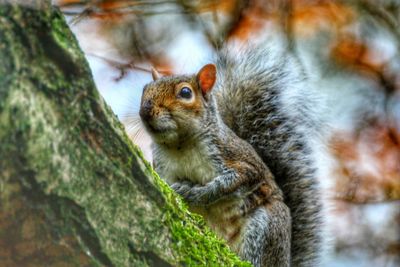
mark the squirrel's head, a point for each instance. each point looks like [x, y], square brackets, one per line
[176, 107]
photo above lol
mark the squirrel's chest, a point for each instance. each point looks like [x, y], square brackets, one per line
[194, 165]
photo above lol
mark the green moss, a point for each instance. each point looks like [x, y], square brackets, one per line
[63, 38]
[76, 150]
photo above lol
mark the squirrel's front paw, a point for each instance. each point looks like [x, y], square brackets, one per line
[182, 188]
[193, 194]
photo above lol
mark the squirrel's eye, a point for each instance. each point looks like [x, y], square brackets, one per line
[185, 93]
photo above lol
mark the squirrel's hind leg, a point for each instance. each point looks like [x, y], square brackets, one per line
[266, 239]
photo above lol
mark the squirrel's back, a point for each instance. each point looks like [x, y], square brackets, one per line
[262, 96]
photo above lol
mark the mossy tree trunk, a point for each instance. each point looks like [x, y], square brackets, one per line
[74, 191]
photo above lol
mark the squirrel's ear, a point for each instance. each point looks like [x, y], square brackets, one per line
[206, 77]
[155, 74]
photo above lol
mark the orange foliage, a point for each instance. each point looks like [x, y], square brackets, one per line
[67, 2]
[226, 6]
[368, 164]
[357, 56]
[254, 18]
[305, 16]
[312, 16]
[111, 5]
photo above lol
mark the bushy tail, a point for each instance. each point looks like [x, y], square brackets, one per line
[264, 98]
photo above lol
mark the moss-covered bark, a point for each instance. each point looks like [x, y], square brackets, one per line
[74, 191]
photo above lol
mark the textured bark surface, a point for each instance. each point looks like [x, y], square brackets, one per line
[74, 191]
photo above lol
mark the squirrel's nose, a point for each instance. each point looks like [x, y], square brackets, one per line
[145, 110]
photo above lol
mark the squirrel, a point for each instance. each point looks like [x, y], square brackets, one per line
[219, 175]
[214, 135]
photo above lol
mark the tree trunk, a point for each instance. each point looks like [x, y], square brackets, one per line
[74, 191]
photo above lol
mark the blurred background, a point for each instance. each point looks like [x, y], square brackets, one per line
[350, 51]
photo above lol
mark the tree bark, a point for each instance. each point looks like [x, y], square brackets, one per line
[74, 191]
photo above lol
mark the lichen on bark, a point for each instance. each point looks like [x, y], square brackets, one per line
[73, 189]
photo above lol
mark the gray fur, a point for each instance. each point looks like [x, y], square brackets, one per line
[262, 233]
[263, 98]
